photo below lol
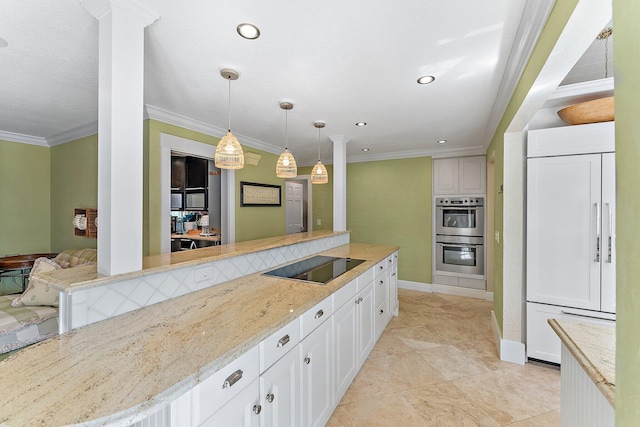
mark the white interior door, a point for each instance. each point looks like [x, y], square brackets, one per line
[294, 201]
[563, 221]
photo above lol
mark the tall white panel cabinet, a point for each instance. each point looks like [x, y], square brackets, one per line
[570, 231]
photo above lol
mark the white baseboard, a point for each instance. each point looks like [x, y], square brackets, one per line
[445, 289]
[510, 351]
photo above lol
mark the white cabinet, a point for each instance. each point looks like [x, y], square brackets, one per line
[364, 318]
[570, 230]
[463, 175]
[316, 356]
[242, 411]
[280, 392]
[345, 327]
[393, 288]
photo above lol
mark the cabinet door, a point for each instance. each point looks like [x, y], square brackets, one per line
[316, 355]
[280, 392]
[346, 346]
[242, 411]
[473, 175]
[177, 173]
[445, 176]
[608, 302]
[366, 334]
[393, 288]
[197, 171]
[563, 222]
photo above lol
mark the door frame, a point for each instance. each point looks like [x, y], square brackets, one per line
[169, 143]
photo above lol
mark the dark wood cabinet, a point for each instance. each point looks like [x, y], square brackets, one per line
[189, 183]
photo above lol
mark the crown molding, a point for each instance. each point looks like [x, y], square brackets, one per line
[533, 20]
[156, 113]
[82, 131]
[439, 153]
[22, 138]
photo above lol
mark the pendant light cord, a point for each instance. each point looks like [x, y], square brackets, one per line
[286, 129]
[318, 144]
[229, 104]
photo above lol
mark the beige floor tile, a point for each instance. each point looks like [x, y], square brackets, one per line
[507, 395]
[370, 382]
[407, 370]
[388, 411]
[389, 343]
[484, 351]
[419, 337]
[452, 363]
[443, 405]
[550, 419]
[340, 418]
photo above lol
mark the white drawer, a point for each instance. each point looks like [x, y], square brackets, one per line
[380, 267]
[380, 287]
[279, 344]
[221, 387]
[394, 257]
[364, 279]
[315, 316]
[344, 294]
[390, 260]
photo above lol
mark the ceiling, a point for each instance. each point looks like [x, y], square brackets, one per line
[337, 61]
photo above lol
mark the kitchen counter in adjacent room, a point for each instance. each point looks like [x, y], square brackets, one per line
[594, 348]
[125, 368]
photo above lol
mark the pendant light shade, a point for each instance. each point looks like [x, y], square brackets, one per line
[319, 173]
[229, 153]
[286, 166]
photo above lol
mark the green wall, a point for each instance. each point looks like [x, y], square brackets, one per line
[552, 30]
[626, 15]
[322, 196]
[389, 203]
[256, 222]
[25, 224]
[74, 184]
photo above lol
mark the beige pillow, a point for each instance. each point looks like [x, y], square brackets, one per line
[38, 292]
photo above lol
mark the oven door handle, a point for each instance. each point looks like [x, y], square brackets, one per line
[458, 245]
[461, 208]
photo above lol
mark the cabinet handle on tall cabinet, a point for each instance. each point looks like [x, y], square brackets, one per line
[597, 206]
[610, 234]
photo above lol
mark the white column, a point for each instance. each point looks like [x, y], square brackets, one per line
[339, 182]
[120, 116]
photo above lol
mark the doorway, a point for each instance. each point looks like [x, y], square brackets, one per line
[298, 205]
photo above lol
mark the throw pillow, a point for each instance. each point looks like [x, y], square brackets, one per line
[38, 292]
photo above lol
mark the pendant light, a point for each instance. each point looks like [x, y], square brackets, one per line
[286, 166]
[319, 173]
[229, 153]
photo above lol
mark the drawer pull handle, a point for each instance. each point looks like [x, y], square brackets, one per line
[232, 379]
[381, 311]
[270, 397]
[390, 260]
[257, 409]
[319, 314]
[381, 268]
[382, 282]
[307, 360]
[283, 341]
[393, 274]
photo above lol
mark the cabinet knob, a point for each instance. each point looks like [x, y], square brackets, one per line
[270, 397]
[381, 268]
[360, 299]
[257, 409]
[307, 360]
[382, 282]
[381, 311]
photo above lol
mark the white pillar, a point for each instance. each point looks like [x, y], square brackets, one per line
[120, 145]
[339, 182]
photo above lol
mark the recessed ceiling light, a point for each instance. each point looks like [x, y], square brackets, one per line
[3, 42]
[361, 124]
[425, 80]
[442, 141]
[366, 149]
[248, 31]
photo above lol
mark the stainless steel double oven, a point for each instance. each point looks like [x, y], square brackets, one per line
[460, 235]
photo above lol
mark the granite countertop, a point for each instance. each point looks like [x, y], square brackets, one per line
[74, 279]
[594, 347]
[125, 368]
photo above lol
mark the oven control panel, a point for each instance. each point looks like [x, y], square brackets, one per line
[460, 201]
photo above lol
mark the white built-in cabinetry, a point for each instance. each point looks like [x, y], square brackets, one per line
[461, 175]
[297, 376]
[571, 209]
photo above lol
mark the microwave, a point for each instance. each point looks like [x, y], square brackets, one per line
[176, 201]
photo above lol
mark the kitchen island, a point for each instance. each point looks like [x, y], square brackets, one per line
[588, 373]
[125, 368]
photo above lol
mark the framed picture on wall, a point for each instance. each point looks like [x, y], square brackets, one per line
[254, 194]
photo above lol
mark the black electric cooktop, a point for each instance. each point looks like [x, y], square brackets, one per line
[318, 269]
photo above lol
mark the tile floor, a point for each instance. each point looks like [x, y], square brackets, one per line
[436, 365]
